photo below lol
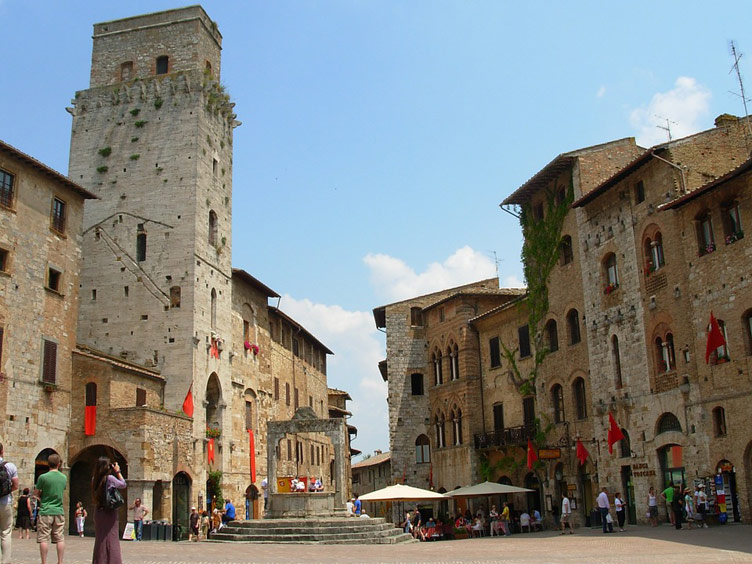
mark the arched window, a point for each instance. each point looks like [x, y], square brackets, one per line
[705, 238]
[573, 326]
[667, 423]
[457, 427]
[625, 445]
[454, 361]
[665, 354]
[719, 421]
[416, 382]
[566, 255]
[163, 64]
[610, 273]
[422, 450]
[580, 401]
[616, 359]
[653, 251]
[440, 435]
[213, 308]
[557, 397]
[438, 376]
[732, 221]
[212, 228]
[552, 336]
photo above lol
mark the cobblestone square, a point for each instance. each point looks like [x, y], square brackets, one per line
[639, 544]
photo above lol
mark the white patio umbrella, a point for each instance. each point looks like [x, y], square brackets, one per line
[401, 492]
[486, 489]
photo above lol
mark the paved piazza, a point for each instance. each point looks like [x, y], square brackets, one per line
[731, 543]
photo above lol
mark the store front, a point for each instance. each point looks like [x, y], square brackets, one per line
[726, 476]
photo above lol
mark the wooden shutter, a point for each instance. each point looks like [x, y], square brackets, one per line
[49, 366]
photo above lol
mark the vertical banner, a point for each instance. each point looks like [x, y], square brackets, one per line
[252, 448]
[210, 451]
[90, 420]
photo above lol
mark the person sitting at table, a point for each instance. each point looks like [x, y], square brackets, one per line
[535, 520]
[478, 526]
[525, 522]
[315, 485]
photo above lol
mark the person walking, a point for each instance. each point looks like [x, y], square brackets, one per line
[604, 507]
[139, 512]
[8, 484]
[81, 515]
[193, 524]
[566, 514]
[505, 518]
[106, 539]
[701, 505]
[689, 507]
[51, 520]
[23, 514]
[621, 513]
[676, 507]
[652, 507]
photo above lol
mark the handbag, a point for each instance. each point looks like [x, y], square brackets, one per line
[609, 519]
[113, 499]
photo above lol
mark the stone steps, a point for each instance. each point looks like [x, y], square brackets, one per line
[312, 531]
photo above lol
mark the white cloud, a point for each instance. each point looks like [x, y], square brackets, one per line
[685, 106]
[601, 91]
[358, 347]
[393, 280]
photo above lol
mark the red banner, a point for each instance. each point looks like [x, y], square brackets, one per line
[252, 447]
[90, 420]
[210, 451]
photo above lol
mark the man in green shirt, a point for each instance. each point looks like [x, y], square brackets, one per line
[51, 520]
[668, 497]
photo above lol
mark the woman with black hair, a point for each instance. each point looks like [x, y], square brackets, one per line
[106, 538]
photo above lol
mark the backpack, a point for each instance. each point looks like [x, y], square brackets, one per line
[6, 483]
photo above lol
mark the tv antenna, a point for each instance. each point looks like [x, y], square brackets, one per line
[667, 127]
[496, 260]
[735, 67]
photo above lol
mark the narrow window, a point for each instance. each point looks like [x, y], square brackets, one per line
[140, 397]
[416, 381]
[552, 336]
[580, 405]
[573, 325]
[416, 317]
[212, 228]
[58, 215]
[625, 445]
[611, 273]
[295, 347]
[455, 363]
[528, 412]
[287, 394]
[732, 222]
[639, 192]
[276, 388]
[175, 296]
[163, 64]
[705, 239]
[4, 260]
[494, 352]
[49, 362]
[289, 449]
[719, 421]
[566, 254]
[747, 330]
[248, 415]
[498, 417]
[141, 243]
[2, 336]
[523, 333]
[557, 398]
[91, 394]
[422, 450]
[310, 402]
[616, 358]
[441, 314]
[297, 398]
[6, 189]
[53, 279]
[213, 310]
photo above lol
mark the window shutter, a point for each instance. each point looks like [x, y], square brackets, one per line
[49, 367]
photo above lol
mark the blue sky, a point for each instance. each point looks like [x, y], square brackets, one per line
[379, 137]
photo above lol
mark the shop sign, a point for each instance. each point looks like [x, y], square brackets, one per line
[572, 487]
[549, 453]
[642, 469]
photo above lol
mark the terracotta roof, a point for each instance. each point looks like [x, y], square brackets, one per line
[120, 363]
[255, 282]
[499, 308]
[336, 392]
[697, 192]
[283, 315]
[338, 410]
[373, 460]
[490, 292]
[44, 169]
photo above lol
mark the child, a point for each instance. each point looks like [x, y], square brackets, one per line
[80, 518]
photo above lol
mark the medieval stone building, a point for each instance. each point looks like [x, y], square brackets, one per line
[180, 360]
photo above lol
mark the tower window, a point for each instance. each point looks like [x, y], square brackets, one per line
[163, 64]
[212, 228]
[141, 247]
[126, 71]
[53, 279]
[58, 215]
[6, 189]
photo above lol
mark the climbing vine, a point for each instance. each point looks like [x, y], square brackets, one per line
[540, 253]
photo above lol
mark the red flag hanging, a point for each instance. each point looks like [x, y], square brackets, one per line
[531, 456]
[715, 338]
[210, 451]
[252, 448]
[188, 402]
[614, 433]
[90, 420]
[214, 348]
[582, 452]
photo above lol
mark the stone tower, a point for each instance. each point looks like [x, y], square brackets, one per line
[152, 138]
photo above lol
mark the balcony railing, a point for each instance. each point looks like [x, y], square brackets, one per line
[505, 437]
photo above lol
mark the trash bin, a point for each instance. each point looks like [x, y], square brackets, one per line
[158, 531]
[595, 519]
[146, 532]
[168, 532]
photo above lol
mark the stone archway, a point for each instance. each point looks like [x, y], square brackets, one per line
[181, 503]
[79, 485]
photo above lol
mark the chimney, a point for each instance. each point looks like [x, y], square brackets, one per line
[377, 451]
[724, 120]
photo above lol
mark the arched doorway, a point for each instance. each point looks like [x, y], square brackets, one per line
[41, 466]
[585, 501]
[181, 504]
[79, 485]
[251, 502]
[533, 498]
